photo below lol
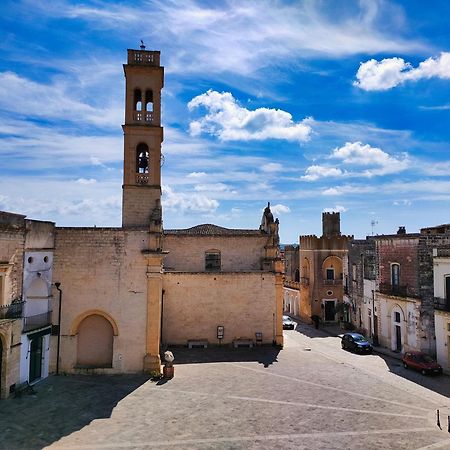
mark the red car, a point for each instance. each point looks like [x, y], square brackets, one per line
[422, 362]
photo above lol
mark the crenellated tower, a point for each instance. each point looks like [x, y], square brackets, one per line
[143, 136]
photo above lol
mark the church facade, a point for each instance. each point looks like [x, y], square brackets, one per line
[130, 291]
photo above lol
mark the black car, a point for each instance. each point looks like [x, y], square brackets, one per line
[356, 342]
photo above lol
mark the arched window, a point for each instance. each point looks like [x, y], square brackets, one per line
[137, 100]
[142, 158]
[212, 261]
[395, 275]
[95, 342]
[149, 100]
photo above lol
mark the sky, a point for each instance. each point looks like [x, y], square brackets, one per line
[313, 106]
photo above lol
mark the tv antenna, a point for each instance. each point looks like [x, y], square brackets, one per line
[373, 223]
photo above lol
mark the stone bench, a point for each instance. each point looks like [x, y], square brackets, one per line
[243, 342]
[197, 343]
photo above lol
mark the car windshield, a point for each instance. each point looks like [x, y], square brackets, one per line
[359, 338]
[286, 319]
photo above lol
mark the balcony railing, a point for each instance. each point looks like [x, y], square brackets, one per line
[442, 304]
[12, 311]
[338, 282]
[394, 289]
[292, 284]
[38, 321]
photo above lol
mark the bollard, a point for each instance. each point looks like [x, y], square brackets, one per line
[438, 422]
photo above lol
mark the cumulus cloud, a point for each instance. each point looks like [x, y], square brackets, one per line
[315, 172]
[86, 181]
[337, 208]
[229, 121]
[388, 73]
[178, 201]
[280, 209]
[358, 154]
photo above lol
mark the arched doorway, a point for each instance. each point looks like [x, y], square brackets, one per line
[95, 342]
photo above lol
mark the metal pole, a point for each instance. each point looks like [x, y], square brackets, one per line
[59, 327]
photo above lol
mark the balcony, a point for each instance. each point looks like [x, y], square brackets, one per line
[143, 57]
[37, 321]
[12, 311]
[442, 304]
[143, 116]
[327, 282]
[394, 289]
[292, 284]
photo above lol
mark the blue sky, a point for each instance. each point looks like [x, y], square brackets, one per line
[312, 105]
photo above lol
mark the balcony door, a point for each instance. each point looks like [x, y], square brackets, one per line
[447, 291]
[35, 358]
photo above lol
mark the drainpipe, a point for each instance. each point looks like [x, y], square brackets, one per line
[57, 285]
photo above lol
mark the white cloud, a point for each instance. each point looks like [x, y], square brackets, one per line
[356, 153]
[382, 75]
[241, 37]
[196, 175]
[86, 181]
[178, 201]
[53, 101]
[332, 191]
[337, 208]
[272, 167]
[211, 187]
[280, 209]
[229, 121]
[315, 172]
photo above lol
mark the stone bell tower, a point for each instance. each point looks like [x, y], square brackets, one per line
[143, 136]
[141, 202]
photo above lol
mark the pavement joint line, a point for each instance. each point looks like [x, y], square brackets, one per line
[284, 402]
[371, 374]
[330, 387]
[256, 438]
[440, 444]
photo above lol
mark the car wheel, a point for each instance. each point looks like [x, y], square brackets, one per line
[423, 372]
[405, 365]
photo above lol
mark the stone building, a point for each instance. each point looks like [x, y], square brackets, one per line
[26, 257]
[127, 291]
[322, 261]
[396, 286]
[291, 291]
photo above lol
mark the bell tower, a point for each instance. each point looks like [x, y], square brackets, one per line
[143, 136]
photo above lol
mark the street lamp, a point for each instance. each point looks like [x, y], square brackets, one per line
[57, 285]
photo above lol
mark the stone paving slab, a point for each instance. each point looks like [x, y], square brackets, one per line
[259, 398]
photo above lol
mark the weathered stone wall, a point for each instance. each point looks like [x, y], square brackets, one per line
[103, 269]
[238, 253]
[10, 331]
[196, 303]
[291, 262]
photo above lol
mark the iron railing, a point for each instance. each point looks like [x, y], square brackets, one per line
[37, 321]
[11, 311]
[393, 289]
[442, 304]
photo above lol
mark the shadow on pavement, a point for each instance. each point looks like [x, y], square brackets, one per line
[262, 355]
[60, 406]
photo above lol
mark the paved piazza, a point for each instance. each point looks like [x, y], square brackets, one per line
[310, 395]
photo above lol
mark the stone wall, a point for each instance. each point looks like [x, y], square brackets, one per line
[238, 253]
[196, 303]
[103, 270]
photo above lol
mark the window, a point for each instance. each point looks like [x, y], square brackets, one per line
[330, 274]
[447, 288]
[212, 261]
[397, 317]
[142, 157]
[137, 100]
[395, 275]
[149, 100]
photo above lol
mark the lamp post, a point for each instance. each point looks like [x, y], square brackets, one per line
[57, 285]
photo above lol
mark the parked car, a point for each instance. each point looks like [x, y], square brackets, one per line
[288, 323]
[356, 342]
[422, 362]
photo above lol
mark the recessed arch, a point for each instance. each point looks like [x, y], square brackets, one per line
[76, 323]
[332, 268]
